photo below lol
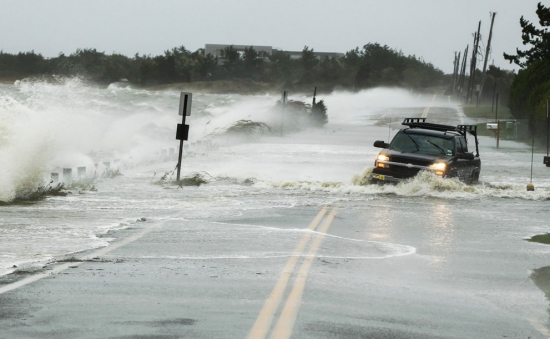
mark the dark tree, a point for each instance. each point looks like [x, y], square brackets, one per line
[352, 58]
[206, 65]
[251, 59]
[539, 39]
[309, 62]
[387, 64]
[330, 70]
[184, 64]
[147, 70]
[373, 65]
[319, 114]
[280, 67]
[88, 63]
[231, 61]
[166, 67]
[231, 55]
[528, 95]
[363, 76]
[117, 66]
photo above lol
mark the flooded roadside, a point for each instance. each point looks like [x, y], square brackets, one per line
[453, 239]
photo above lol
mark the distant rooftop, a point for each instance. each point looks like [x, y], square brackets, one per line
[216, 49]
[264, 51]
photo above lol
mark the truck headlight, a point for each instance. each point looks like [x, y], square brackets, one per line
[383, 157]
[439, 168]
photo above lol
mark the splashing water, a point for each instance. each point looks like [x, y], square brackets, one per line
[70, 123]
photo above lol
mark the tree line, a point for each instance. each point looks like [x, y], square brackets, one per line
[372, 65]
[530, 89]
[497, 81]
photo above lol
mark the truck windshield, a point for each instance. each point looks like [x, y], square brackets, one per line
[420, 143]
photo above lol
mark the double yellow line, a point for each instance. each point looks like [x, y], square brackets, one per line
[427, 109]
[287, 317]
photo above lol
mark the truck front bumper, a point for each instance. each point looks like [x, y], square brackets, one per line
[384, 178]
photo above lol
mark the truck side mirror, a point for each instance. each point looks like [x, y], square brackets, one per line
[381, 144]
[466, 156]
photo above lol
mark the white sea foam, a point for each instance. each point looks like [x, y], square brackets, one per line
[48, 125]
[379, 251]
[424, 184]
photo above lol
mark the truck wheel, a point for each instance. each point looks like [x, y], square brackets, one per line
[475, 177]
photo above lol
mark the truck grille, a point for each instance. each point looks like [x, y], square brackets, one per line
[402, 171]
[406, 160]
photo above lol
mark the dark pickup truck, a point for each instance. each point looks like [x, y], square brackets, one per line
[441, 149]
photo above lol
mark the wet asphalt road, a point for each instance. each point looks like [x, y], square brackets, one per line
[434, 269]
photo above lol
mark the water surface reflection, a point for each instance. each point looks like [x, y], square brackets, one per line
[439, 232]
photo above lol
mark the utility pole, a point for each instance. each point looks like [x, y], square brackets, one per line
[476, 52]
[463, 71]
[473, 64]
[457, 71]
[496, 110]
[468, 90]
[488, 50]
[494, 93]
[498, 123]
[454, 76]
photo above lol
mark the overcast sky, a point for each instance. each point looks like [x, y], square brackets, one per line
[431, 29]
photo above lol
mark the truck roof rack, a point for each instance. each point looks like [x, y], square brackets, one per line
[421, 123]
[462, 129]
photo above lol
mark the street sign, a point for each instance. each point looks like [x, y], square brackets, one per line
[182, 132]
[185, 103]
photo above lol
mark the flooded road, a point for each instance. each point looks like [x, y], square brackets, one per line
[430, 258]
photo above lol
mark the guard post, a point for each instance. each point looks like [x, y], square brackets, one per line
[182, 132]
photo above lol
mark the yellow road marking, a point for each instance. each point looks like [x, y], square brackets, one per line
[425, 113]
[427, 109]
[265, 318]
[287, 319]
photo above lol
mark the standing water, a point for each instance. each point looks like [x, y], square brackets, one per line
[46, 127]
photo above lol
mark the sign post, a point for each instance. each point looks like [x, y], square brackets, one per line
[283, 100]
[182, 132]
